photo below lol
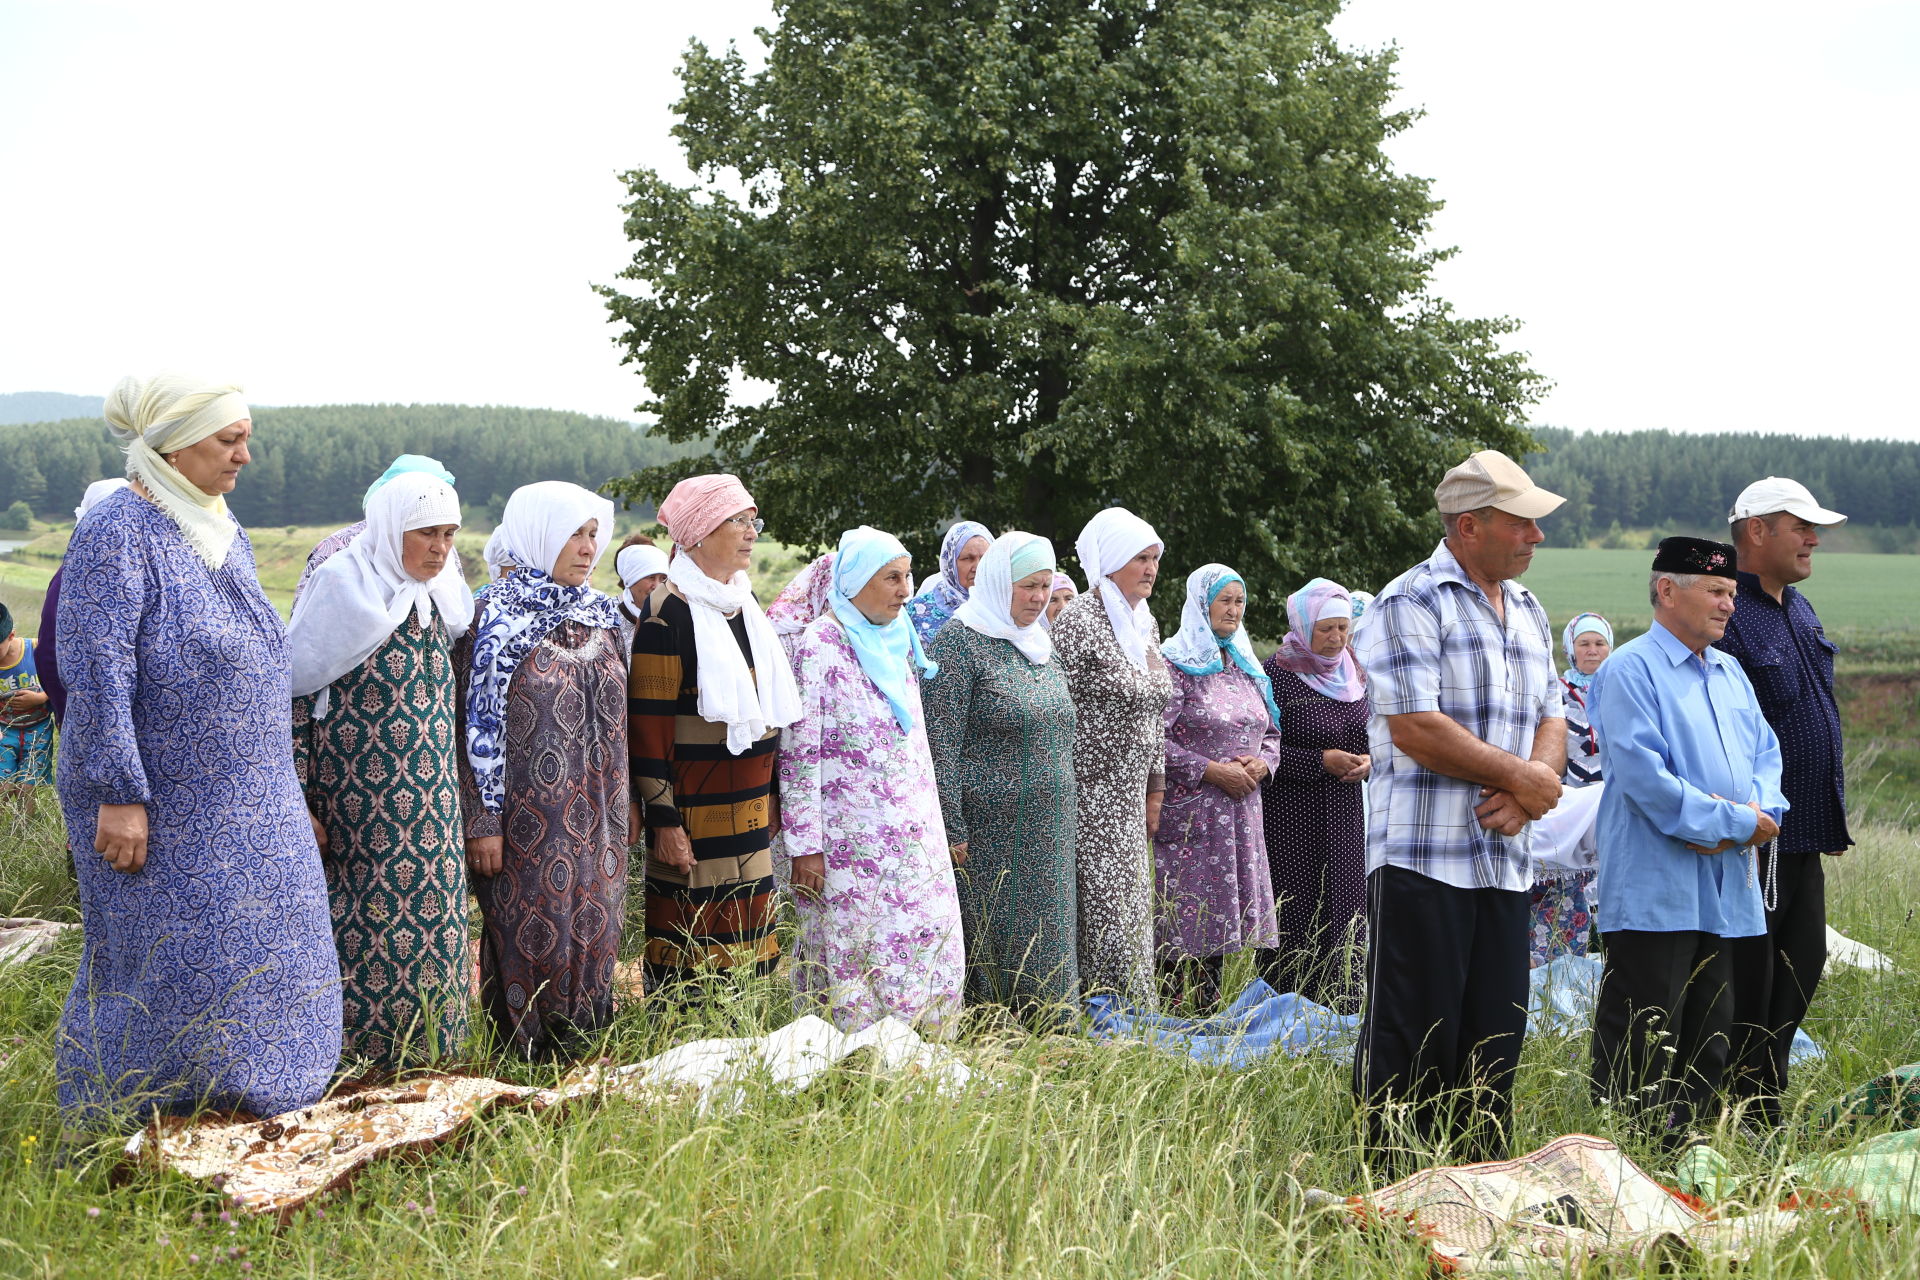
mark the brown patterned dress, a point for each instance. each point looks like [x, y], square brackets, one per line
[554, 912]
[1119, 750]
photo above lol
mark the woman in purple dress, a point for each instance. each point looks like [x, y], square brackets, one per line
[1223, 739]
[208, 975]
[1315, 812]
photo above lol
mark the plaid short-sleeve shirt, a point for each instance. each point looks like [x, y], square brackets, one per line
[1430, 642]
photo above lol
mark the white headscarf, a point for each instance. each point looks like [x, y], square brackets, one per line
[641, 560]
[539, 519]
[95, 492]
[729, 693]
[988, 609]
[359, 596]
[167, 412]
[495, 556]
[1112, 538]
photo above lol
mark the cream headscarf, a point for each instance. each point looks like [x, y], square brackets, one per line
[1113, 537]
[167, 412]
[988, 608]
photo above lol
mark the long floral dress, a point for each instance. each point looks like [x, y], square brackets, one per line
[1210, 861]
[381, 773]
[1118, 753]
[209, 976]
[1316, 844]
[884, 938]
[555, 910]
[1002, 731]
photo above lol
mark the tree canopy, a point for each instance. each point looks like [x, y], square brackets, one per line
[312, 463]
[1023, 259]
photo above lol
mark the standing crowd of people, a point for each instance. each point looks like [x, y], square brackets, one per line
[995, 789]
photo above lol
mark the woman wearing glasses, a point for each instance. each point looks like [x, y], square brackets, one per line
[709, 693]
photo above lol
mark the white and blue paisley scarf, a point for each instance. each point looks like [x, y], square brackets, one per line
[521, 609]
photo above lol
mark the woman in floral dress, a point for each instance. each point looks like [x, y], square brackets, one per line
[1563, 899]
[879, 920]
[1223, 740]
[1109, 650]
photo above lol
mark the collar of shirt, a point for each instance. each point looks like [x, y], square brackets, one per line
[1676, 649]
[1446, 568]
[1750, 589]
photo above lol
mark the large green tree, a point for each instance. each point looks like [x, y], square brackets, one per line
[1023, 259]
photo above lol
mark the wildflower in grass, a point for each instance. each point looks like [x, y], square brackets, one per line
[93, 1211]
[193, 1257]
[522, 1190]
[413, 1206]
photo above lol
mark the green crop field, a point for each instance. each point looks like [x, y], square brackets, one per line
[1853, 592]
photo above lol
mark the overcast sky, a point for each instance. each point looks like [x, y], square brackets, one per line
[1702, 212]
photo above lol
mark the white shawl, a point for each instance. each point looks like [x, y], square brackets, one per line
[729, 694]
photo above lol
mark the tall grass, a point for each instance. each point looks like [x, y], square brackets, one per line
[1073, 1159]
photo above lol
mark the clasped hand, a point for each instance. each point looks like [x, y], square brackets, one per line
[1532, 798]
[1763, 830]
[1237, 777]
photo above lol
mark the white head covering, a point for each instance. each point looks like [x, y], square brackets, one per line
[495, 555]
[988, 609]
[641, 560]
[748, 702]
[96, 491]
[359, 596]
[1112, 538]
[170, 411]
[1333, 606]
[540, 517]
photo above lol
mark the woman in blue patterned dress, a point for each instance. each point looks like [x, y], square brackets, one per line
[208, 975]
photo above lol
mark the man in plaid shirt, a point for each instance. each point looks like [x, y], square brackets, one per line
[1468, 740]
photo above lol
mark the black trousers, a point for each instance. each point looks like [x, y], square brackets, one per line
[1446, 1015]
[1662, 1028]
[1774, 977]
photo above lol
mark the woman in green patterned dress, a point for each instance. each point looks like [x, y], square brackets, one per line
[1000, 722]
[375, 743]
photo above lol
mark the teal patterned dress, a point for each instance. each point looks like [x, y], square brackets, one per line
[1002, 729]
[381, 774]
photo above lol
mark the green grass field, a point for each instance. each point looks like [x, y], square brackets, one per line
[1853, 592]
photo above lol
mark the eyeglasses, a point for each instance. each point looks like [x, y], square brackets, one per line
[754, 523]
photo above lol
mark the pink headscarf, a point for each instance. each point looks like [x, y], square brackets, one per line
[698, 504]
[1338, 677]
[803, 599]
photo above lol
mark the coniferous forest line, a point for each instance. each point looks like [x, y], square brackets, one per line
[312, 465]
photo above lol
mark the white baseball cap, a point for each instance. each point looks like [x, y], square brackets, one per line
[1777, 493]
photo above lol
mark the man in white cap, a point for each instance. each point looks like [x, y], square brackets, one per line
[1468, 741]
[1776, 637]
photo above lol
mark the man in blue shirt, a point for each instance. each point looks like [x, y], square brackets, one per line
[1779, 642]
[1693, 784]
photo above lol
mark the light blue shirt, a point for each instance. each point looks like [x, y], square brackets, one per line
[1676, 729]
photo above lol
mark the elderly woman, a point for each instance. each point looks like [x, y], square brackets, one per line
[1315, 819]
[208, 976]
[1059, 596]
[1109, 650]
[641, 568]
[543, 779]
[960, 552]
[1223, 741]
[376, 741]
[711, 690]
[1000, 721]
[801, 601]
[45, 654]
[879, 921]
[337, 541]
[1563, 899]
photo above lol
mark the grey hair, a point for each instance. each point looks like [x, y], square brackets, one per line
[1680, 580]
[1452, 518]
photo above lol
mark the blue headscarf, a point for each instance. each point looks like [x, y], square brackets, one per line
[1581, 624]
[1196, 650]
[883, 651]
[405, 463]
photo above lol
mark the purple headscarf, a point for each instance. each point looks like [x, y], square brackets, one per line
[1338, 677]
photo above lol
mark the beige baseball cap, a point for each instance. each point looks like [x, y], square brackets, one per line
[1491, 479]
[1777, 493]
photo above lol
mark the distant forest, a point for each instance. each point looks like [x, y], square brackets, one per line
[1666, 481]
[312, 465]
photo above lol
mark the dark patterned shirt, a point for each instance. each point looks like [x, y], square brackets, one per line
[1785, 652]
